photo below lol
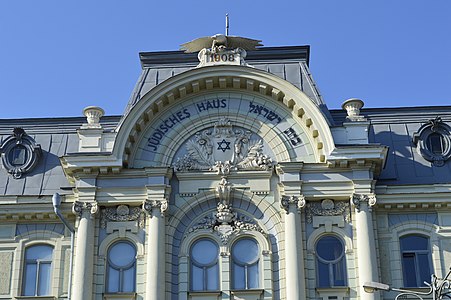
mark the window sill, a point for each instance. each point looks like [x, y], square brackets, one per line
[119, 296]
[416, 288]
[338, 292]
[204, 295]
[247, 294]
[36, 297]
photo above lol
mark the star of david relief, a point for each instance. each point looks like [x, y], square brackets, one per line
[224, 145]
[222, 149]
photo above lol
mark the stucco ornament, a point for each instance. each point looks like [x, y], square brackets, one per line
[226, 223]
[223, 149]
[149, 205]
[297, 201]
[121, 213]
[433, 141]
[221, 49]
[223, 190]
[20, 153]
[219, 42]
[328, 207]
[358, 199]
[79, 207]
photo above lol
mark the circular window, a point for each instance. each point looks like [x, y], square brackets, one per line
[434, 142]
[122, 254]
[204, 252]
[20, 153]
[245, 251]
[329, 248]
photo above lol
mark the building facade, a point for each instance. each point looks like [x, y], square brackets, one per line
[227, 177]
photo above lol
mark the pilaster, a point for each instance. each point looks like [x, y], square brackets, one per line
[294, 253]
[84, 253]
[366, 247]
[155, 206]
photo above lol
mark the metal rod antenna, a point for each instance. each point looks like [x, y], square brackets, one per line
[227, 25]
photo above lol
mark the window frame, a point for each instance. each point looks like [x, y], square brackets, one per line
[132, 265]
[225, 278]
[27, 262]
[193, 262]
[341, 261]
[416, 253]
[256, 263]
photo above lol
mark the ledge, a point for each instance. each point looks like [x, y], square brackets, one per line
[248, 292]
[119, 296]
[204, 295]
[36, 297]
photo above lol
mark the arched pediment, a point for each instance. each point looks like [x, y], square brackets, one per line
[288, 124]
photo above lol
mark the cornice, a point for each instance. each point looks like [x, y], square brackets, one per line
[359, 156]
[264, 54]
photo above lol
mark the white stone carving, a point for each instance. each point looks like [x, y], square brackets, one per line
[223, 190]
[328, 207]
[121, 213]
[220, 56]
[226, 223]
[223, 149]
[79, 207]
[298, 201]
[352, 107]
[357, 199]
[149, 205]
[93, 115]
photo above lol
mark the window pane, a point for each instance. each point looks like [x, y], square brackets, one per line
[42, 252]
[197, 279]
[339, 273]
[128, 280]
[408, 265]
[113, 280]
[30, 280]
[414, 242]
[435, 143]
[245, 251]
[424, 269]
[44, 279]
[212, 278]
[122, 254]
[252, 277]
[204, 252]
[18, 155]
[329, 248]
[238, 277]
[323, 275]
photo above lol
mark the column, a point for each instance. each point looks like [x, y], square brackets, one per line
[156, 260]
[84, 250]
[366, 247]
[294, 256]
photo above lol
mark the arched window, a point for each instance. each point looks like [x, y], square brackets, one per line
[416, 258]
[245, 269]
[38, 270]
[330, 256]
[204, 265]
[121, 268]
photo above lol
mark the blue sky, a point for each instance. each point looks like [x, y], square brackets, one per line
[57, 57]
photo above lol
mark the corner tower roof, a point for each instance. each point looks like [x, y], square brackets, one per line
[289, 63]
